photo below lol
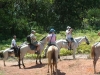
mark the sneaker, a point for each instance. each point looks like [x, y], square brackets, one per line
[36, 52]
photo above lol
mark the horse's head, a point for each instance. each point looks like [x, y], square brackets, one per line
[87, 41]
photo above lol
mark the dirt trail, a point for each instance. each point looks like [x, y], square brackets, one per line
[67, 66]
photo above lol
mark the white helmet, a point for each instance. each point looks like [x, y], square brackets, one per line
[68, 27]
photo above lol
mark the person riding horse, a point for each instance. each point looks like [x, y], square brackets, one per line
[34, 41]
[69, 37]
[14, 45]
[51, 39]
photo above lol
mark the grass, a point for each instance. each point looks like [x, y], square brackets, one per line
[83, 48]
[1, 72]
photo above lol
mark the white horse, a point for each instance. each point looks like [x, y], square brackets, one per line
[95, 53]
[77, 41]
[52, 55]
[26, 49]
[8, 52]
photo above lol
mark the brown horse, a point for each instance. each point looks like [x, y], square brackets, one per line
[52, 55]
[95, 53]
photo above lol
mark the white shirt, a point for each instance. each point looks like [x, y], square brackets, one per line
[13, 43]
[33, 38]
[68, 34]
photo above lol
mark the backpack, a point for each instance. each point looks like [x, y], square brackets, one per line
[28, 39]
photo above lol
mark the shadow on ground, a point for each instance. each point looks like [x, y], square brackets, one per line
[59, 73]
[36, 66]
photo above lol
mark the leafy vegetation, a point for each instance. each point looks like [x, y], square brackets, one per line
[20, 16]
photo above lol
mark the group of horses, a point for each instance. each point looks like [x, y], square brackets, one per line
[53, 51]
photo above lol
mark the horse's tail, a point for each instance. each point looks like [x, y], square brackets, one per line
[93, 51]
[1, 54]
[53, 55]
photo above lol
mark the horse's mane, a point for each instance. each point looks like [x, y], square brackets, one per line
[43, 38]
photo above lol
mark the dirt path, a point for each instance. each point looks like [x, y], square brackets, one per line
[68, 66]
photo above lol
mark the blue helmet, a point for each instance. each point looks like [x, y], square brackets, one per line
[52, 30]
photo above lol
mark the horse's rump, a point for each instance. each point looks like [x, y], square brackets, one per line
[1, 54]
[52, 54]
[95, 49]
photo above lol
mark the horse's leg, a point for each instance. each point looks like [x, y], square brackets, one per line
[48, 67]
[94, 63]
[74, 53]
[37, 58]
[59, 54]
[4, 62]
[23, 63]
[5, 57]
[19, 63]
[56, 68]
[51, 67]
[40, 59]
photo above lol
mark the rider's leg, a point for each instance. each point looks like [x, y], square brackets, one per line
[38, 48]
[45, 51]
[69, 45]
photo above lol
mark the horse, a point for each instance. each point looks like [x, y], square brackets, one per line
[8, 52]
[77, 41]
[52, 55]
[95, 53]
[26, 49]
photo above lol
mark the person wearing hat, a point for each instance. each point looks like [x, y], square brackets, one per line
[51, 39]
[69, 37]
[34, 41]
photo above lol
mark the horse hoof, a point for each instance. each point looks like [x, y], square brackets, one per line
[40, 62]
[4, 65]
[36, 63]
[19, 67]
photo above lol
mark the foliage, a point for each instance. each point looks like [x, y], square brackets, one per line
[21, 16]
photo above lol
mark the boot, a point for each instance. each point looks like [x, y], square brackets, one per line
[44, 56]
[37, 52]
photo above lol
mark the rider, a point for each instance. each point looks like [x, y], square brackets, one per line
[14, 45]
[69, 37]
[34, 41]
[51, 39]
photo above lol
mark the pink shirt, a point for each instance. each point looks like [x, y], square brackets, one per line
[52, 37]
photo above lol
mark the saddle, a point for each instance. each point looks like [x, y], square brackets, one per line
[32, 47]
[15, 49]
[72, 40]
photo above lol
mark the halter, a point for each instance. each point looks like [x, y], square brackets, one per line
[87, 42]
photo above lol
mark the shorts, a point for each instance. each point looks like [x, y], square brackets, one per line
[35, 43]
[70, 39]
